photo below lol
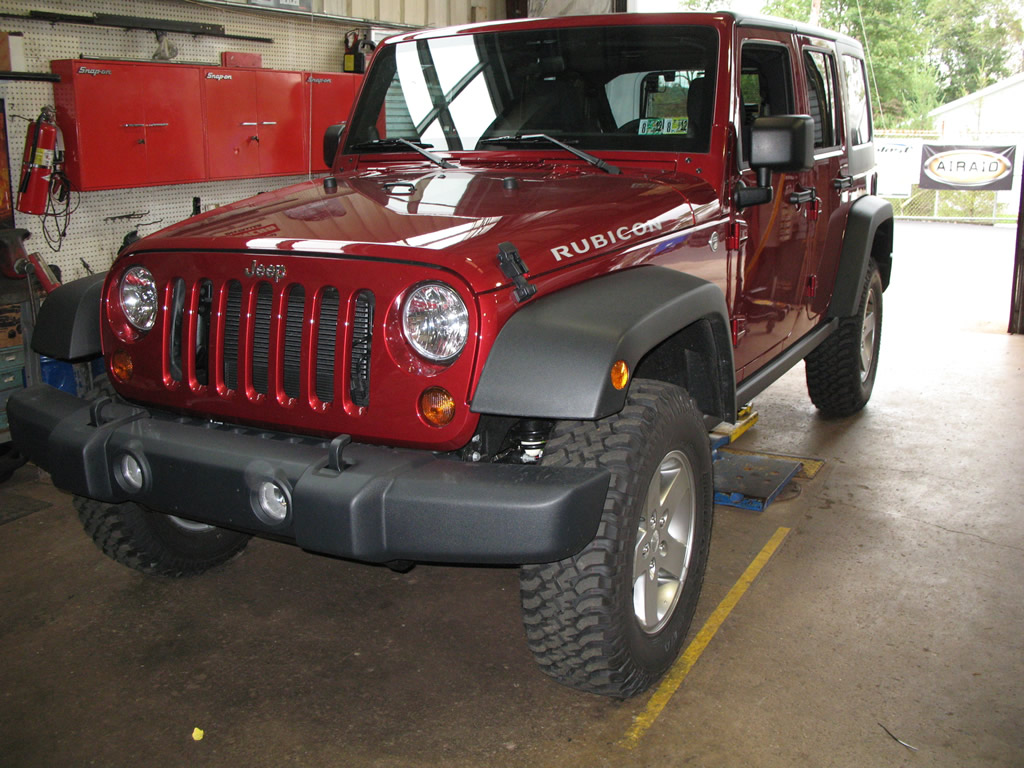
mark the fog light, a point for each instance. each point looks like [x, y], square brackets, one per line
[121, 365]
[132, 476]
[273, 501]
[437, 407]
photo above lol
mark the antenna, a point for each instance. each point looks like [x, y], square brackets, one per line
[871, 68]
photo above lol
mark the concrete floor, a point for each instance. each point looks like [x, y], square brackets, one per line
[897, 599]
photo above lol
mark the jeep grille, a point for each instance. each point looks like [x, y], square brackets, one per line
[274, 314]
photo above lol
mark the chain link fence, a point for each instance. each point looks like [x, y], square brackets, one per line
[955, 205]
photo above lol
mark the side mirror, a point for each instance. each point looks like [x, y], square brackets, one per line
[777, 144]
[332, 140]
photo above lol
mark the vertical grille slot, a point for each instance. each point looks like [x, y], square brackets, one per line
[232, 320]
[326, 341]
[175, 326]
[204, 309]
[362, 342]
[261, 338]
[293, 340]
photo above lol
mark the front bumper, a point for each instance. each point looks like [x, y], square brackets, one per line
[376, 504]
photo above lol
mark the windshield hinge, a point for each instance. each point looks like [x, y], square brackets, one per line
[514, 268]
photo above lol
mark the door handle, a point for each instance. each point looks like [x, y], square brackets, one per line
[842, 182]
[252, 123]
[269, 122]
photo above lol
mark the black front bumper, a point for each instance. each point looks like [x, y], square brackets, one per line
[375, 504]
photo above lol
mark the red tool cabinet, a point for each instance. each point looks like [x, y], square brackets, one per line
[127, 125]
[255, 122]
[330, 96]
[133, 124]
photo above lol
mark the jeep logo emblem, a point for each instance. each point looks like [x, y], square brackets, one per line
[275, 271]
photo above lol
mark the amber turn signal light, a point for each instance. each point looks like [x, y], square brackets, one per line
[437, 407]
[620, 374]
[121, 365]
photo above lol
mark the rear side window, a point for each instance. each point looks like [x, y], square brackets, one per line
[857, 92]
[821, 97]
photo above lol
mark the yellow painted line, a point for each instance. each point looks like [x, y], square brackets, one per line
[685, 663]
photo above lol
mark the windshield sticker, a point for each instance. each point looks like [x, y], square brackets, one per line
[663, 126]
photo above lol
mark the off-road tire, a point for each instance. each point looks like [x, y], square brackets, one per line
[840, 377]
[154, 543]
[579, 612]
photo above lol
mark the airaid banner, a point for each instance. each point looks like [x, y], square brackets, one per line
[967, 167]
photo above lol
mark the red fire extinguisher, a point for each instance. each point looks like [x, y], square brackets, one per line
[37, 168]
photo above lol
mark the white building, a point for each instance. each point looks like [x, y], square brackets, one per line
[993, 115]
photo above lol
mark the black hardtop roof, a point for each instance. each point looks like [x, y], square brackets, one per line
[622, 19]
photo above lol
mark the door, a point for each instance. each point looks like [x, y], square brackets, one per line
[827, 178]
[174, 124]
[111, 124]
[282, 120]
[768, 289]
[232, 125]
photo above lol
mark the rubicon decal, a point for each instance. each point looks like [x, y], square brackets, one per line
[601, 240]
[967, 167]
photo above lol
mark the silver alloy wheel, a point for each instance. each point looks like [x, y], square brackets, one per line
[868, 329]
[189, 525]
[664, 542]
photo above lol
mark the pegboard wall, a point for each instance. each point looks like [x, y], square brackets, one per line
[101, 219]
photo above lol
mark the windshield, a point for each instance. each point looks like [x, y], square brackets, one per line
[623, 87]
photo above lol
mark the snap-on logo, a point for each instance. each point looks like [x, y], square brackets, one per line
[218, 76]
[312, 79]
[274, 271]
[604, 239]
[83, 70]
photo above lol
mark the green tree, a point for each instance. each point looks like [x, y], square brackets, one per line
[972, 43]
[902, 75]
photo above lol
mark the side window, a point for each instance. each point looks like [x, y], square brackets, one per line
[821, 97]
[766, 86]
[857, 92]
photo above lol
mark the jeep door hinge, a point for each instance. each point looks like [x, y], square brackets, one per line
[514, 268]
[812, 286]
[739, 329]
[734, 237]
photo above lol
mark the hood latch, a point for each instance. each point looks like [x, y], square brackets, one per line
[514, 268]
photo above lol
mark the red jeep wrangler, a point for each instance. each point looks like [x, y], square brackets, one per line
[549, 254]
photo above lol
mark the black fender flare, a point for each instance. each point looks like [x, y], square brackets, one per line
[68, 326]
[868, 234]
[553, 357]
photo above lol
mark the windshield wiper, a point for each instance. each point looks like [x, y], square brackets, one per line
[398, 142]
[535, 137]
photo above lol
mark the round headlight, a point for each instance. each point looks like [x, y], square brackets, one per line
[435, 322]
[138, 297]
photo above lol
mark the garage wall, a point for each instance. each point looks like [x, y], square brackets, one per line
[301, 42]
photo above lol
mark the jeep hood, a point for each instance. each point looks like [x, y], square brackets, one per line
[450, 218]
